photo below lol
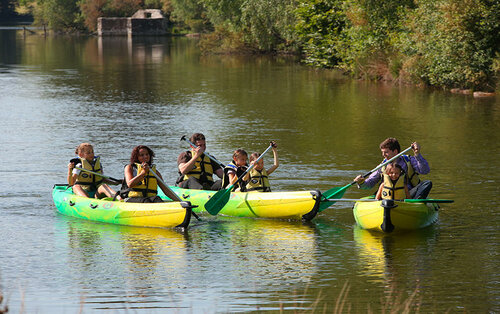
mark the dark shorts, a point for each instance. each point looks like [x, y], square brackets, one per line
[193, 183]
[151, 199]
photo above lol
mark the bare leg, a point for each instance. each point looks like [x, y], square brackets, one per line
[106, 190]
[78, 190]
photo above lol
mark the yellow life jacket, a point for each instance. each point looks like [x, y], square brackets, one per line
[203, 170]
[394, 190]
[148, 186]
[88, 180]
[258, 181]
[411, 175]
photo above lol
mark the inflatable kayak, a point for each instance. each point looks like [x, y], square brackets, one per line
[162, 215]
[281, 205]
[382, 216]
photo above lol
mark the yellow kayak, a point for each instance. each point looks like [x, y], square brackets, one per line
[372, 215]
[162, 215]
[297, 205]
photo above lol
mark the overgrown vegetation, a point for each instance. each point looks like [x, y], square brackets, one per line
[442, 43]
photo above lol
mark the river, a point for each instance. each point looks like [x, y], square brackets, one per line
[59, 91]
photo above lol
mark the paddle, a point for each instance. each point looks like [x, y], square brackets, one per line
[100, 175]
[219, 199]
[335, 193]
[183, 138]
[412, 200]
[427, 200]
[173, 196]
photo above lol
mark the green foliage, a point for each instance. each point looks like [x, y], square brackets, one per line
[366, 46]
[265, 24]
[269, 23]
[60, 15]
[192, 14]
[446, 43]
[225, 13]
[319, 26]
[453, 43]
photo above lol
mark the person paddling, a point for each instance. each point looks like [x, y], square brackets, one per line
[85, 183]
[196, 169]
[413, 166]
[235, 169]
[258, 178]
[140, 183]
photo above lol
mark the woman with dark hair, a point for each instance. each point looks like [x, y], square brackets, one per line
[141, 182]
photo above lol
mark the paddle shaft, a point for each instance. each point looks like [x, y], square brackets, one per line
[183, 138]
[250, 168]
[385, 163]
[98, 174]
[339, 192]
[416, 200]
[219, 199]
[175, 196]
[381, 165]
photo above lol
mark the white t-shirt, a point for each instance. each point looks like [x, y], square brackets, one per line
[77, 171]
[79, 165]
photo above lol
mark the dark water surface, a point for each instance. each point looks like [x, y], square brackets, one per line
[116, 93]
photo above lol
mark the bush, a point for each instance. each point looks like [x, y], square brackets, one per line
[319, 26]
[453, 43]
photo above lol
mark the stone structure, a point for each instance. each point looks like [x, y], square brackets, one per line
[143, 22]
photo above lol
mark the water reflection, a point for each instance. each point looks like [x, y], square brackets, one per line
[271, 250]
[136, 266]
[141, 50]
[391, 259]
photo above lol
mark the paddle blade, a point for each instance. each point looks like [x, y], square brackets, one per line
[218, 201]
[332, 194]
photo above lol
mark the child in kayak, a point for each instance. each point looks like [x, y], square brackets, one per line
[394, 183]
[140, 184]
[257, 179]
[85, 183]
[235, 169]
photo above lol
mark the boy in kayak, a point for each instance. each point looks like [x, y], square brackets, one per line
[235, 169]
[394, 185]
[413, 166]
[257, 179]
[196, 169]
[85, 183]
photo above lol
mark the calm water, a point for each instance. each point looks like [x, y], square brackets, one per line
[116, 93]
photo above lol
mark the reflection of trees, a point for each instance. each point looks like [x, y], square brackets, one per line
[102, 68]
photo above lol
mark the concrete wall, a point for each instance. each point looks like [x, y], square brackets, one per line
[116, 26]
[112, 26]
[147, 26]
